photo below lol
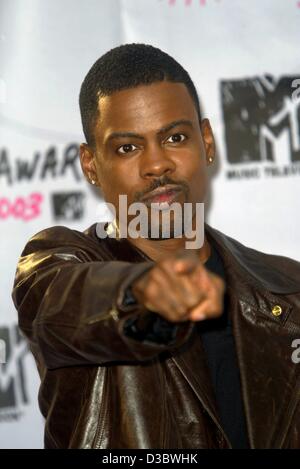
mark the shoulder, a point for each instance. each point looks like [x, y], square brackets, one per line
[277, 273]
[55, 235]
[62, 238]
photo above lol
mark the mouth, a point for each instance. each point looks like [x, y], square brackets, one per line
[163, 195]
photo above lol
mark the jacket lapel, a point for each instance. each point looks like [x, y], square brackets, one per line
[270, 380]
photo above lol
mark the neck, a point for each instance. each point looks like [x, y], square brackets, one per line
[159, 249]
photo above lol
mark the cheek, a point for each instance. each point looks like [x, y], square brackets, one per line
[192, 164]
[114, 183]
[198, 181]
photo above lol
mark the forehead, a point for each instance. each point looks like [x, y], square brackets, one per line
[145, 107]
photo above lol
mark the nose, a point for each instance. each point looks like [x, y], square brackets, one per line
[155, 162]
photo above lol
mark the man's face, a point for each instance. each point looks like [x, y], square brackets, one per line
[166, 145]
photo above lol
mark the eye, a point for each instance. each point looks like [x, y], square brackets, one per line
[177, 138]
[127, 148]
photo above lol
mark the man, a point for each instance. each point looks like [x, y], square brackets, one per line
[140, 342]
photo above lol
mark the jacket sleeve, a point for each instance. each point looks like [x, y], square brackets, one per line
[71, 304]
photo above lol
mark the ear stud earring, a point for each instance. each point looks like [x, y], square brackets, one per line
[92, 181]
[210, 159]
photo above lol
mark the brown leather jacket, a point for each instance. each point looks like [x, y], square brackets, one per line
[102, 389]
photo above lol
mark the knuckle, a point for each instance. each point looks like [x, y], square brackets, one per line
[151, 290]
[152, 274]
[151, 281]
[165, 263]
[193, 301]
[176, 317]
[181, 313]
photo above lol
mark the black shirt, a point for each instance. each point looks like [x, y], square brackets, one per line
[219, 346]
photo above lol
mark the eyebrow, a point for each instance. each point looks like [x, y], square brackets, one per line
[162, 130]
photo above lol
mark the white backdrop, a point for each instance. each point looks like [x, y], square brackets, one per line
[243, 57]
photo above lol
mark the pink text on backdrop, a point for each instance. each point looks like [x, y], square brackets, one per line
[24, 208]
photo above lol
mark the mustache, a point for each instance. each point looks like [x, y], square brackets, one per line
[161, 182]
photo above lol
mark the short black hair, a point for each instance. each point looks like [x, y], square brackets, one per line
[124, 67]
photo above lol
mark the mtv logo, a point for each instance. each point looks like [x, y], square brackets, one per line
[262, 120]
[68, 205]
[12, 374]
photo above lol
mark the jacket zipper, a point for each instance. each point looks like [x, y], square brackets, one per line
[102, 416]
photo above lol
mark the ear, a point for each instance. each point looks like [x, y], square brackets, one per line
[209, 141]
[88, 166]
